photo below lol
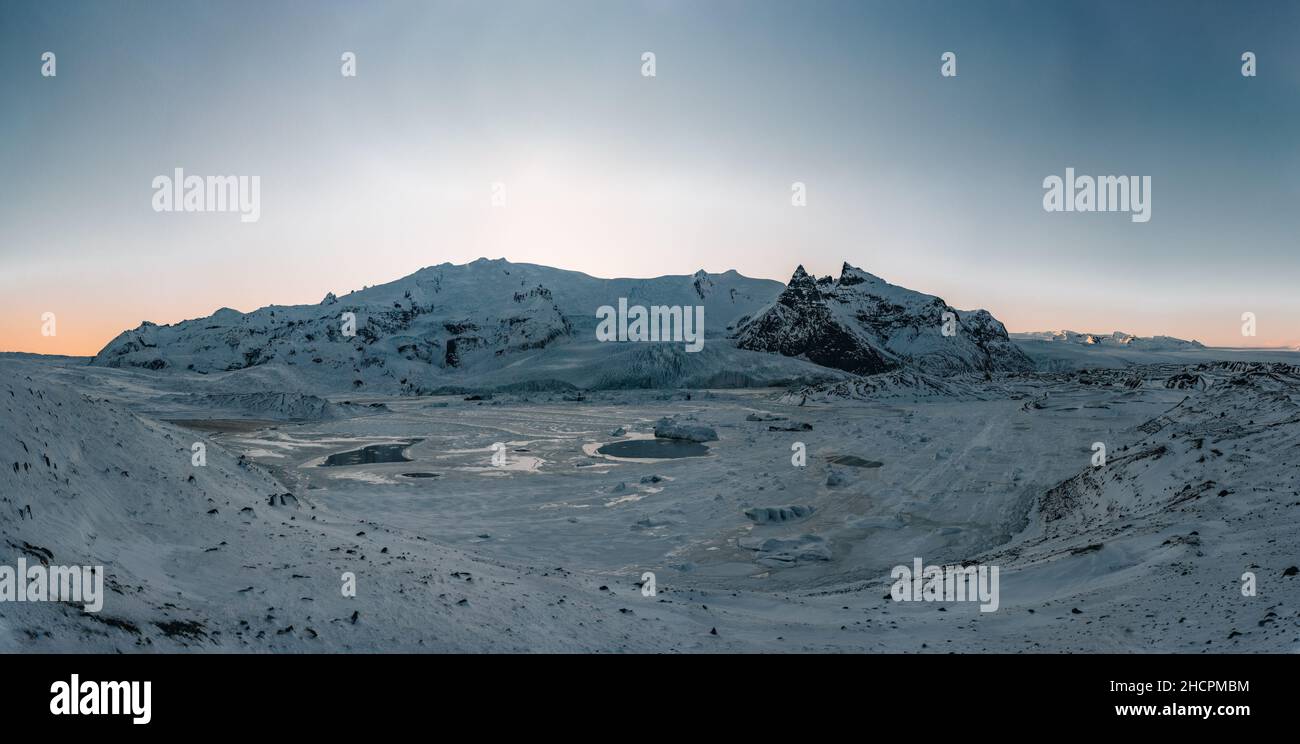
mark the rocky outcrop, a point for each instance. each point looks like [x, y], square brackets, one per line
[860, 323]
[666, 428]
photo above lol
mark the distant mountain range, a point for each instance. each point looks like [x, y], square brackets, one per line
[492, 324]
[1112, 340]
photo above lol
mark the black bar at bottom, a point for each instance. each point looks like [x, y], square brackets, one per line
[333, 693]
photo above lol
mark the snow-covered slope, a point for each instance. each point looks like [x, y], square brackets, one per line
[862, 324]
[248, 552]
[274, 406]
[221, 557]
[898, 383]
[1156, 544]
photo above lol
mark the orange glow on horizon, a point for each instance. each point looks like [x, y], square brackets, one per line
[84, 324]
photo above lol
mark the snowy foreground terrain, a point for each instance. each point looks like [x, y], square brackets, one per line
[541, 543]
[546, 552]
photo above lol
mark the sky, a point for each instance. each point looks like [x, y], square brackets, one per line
[931, 182]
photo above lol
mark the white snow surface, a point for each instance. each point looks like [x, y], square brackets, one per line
[547, 553]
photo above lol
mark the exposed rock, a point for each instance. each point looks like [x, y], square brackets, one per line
[776, 551]
[666, 428]
[769, 514]
[862, 324]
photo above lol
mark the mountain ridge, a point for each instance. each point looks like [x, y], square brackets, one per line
[496, 324]
[1113, 339]
[861, 323]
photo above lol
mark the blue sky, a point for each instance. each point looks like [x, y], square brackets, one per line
[934, 183]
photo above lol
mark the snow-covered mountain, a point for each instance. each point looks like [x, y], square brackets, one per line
[489, 322]
[493, 324]
[428, 318]
[1112, 340]
[863, 324]
[500, 325]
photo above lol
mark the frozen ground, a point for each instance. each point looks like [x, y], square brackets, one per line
[545, 551]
